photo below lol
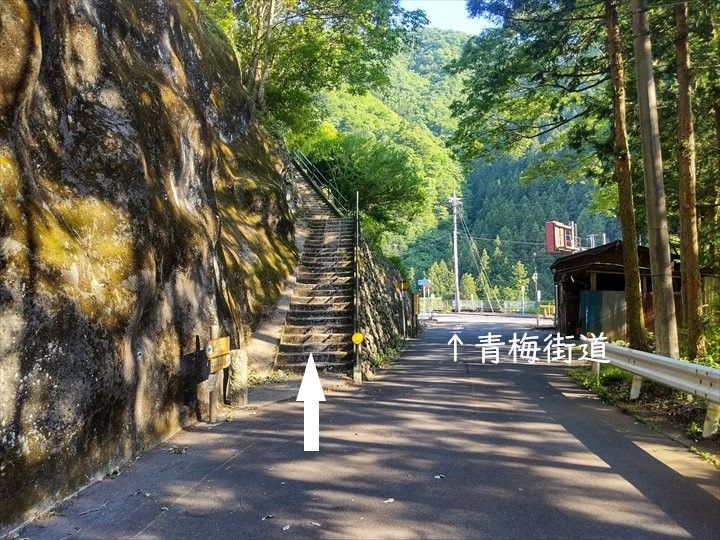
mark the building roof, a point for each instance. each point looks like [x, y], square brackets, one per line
[606, 258]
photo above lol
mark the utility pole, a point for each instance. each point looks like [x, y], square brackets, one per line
[666, 336]
[537, 296]
[455, 202]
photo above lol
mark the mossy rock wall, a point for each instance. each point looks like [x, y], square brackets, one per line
[380, 305]
[140, 204]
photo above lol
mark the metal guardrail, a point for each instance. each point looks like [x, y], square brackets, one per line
[698, 380]
[501, 306]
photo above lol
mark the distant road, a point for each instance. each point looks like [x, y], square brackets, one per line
[434, 449]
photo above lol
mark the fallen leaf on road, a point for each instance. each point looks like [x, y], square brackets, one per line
[286, 527]
[269, 516]
[388, 500]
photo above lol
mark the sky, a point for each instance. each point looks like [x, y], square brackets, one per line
[447, 14]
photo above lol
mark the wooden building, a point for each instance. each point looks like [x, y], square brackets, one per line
[590, 290]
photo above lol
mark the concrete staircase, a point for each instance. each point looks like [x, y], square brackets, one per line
[320, 319]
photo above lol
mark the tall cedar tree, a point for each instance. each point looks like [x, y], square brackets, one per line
[666, 334]
[623, 176]
[689, 251]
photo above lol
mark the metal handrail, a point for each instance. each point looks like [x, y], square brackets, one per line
[331, 183]
[336, 198]
[318, 187]
[356, 296]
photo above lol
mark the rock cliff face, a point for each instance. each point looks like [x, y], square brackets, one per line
[140, 205]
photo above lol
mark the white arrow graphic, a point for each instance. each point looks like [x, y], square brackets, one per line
[312, 394]
[455, 340]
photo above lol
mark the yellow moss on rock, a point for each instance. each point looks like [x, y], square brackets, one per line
[18, 40]
[9, 187]
[86, 244]
[257, 262]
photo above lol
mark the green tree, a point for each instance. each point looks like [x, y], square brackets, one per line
[403, 172]
[468, 290]
[385, 174]
[520, 276]
[441, 280]
[292, 49]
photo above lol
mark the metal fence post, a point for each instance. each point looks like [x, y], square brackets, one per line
[357, 369]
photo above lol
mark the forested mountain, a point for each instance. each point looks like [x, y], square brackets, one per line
[497, 202]
[505, 217]
[421, 90]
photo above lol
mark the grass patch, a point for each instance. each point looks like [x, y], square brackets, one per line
[390, 353]
[275, 376]
[707, 456]
[613, 386]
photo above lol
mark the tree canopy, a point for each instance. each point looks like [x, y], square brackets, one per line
[290, 50]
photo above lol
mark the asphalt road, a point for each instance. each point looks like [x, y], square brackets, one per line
[434, 449]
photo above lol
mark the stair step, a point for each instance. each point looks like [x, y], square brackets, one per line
[323, 366]
[318, 320]
[317, 329]
[315, 348]
[327, 250]
[343, 286]
[320, 239]
[338, 220]
[336, 268]
[310, 279]
[316, 307]
[304, 290]
[343, 266]
[337, 358]
[333, 253]
[322, 290]
[316, 338]
[322, 300]
[347, 234]
[344, 258]
[324, 278]
[334, 258]
[312, 244]
[324, 273]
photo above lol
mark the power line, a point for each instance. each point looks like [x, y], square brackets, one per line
[502, 241]
[475, 253]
